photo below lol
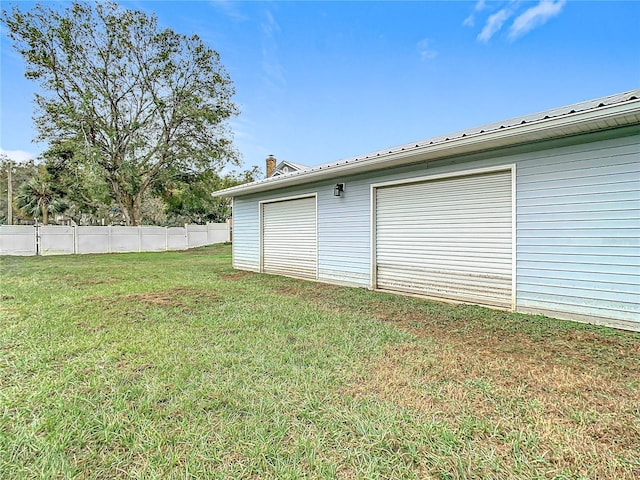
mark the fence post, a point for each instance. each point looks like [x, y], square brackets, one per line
[186, 235]
[139, 239]
[75, 239]
[109, 239]
[37, 230]
[166, 239]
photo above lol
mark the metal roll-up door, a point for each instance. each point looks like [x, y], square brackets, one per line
[289, 245]
[448, 238]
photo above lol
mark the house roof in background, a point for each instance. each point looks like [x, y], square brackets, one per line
[599, 114]
[285, 163]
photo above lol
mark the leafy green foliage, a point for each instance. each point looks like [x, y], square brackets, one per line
[188, 197]
[21, 173]
[38, 197]
[177, 200]
[82, 184]
[125, 99]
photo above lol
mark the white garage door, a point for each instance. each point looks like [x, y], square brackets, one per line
[449, 238]
[289, 245]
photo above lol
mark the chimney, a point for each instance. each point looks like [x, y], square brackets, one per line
[271, 165]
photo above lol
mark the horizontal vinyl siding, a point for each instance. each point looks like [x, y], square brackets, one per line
[246, 234]
[578, 230]
[343, 227]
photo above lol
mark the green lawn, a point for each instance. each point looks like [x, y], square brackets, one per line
[172, 365]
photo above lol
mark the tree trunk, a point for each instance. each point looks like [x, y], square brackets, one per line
[45, 213]
[136, 211]
[129, 205]
[123, 200]
[126, 215]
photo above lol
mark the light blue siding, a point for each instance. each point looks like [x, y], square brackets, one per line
[578, 250]
[344, 253]
[577, 224]
[246, 235]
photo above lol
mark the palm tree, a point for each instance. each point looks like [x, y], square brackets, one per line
[36, 198]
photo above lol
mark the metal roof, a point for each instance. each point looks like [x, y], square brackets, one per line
[600, 114]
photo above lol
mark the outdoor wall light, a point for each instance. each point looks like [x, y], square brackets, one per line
[338, 189]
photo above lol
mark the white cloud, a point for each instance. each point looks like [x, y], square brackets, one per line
[274, 71]
[19, 156]
[535, 17]
[270, 27]
[494, 23]
[426, 52]
[471, 19]
[230, 9]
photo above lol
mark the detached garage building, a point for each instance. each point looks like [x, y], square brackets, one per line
[539, 214]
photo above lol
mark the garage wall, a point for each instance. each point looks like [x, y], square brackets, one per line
[579, 232]
[246, 234]
[562, 187]
[343, 231]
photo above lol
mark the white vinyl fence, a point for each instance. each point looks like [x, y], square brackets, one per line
[61, 240]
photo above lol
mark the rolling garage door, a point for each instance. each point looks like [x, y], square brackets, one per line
[447, 238]
[289, 245]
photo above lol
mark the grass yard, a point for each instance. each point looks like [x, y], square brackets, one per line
[172, 365]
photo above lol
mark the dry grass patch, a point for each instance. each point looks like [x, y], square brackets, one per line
[237, 275]
[521, 397]
[78, 281]
[576, 411]
[182, 297]
[173, 297]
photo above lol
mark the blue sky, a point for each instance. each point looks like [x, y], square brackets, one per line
[317, 82]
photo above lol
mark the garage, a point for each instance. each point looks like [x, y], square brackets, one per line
[289, 237]
[437, 217]
[447, 237]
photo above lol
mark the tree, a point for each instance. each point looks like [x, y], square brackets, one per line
[81, 183]
[188, 198]
[22, 172]
[37, 198]
[138, 102]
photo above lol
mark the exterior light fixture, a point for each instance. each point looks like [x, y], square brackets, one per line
[338, 189]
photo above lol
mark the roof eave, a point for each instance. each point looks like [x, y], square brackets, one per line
[627, 113]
